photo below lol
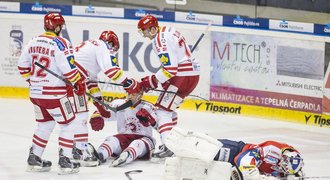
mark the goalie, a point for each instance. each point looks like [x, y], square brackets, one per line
[267, 160]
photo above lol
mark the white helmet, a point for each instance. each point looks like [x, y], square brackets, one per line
[291, 162]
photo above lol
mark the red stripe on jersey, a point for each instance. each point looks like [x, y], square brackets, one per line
[165, 125]
[70, 73]
[39, 139]
[39, 144]
[24, 68]
[185, 64]
[81, 69]
[163, 28]
[166, 129]
[106, 147]
[75, 72]
[65, 140]
[65, 145]
[185, 69]
[80, 135]
[54, 88]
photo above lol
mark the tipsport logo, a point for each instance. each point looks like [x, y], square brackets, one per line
[191, 16]
[211, 107]
[90, 9]
[317, 120]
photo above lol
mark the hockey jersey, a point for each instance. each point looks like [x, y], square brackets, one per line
[127, 122]
[93, 56]
[54, 53]
[174, 54]
[265, 156]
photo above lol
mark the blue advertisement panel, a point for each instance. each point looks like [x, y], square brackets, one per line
[245, 22]
[322, 29]
[138, 13]
[38, 8]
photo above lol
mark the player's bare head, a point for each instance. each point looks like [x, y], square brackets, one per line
[148, 26]
[54, 22]
[291, 162]
[111, 38]
[135, 97]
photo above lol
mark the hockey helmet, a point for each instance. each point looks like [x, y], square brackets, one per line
[147, 22]
[52, 20]
[110, 37]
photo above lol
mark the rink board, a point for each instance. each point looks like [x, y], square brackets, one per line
[299, 117]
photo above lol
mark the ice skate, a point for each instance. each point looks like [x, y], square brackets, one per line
[163, 153]
[67, 166]
[121, 159]
[101, 158]
[87, 157]
[36, 164]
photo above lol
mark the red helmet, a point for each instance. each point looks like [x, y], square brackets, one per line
[147, 21]
[110, 36]
[52, 20]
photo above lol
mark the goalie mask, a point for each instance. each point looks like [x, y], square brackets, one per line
[291, 162]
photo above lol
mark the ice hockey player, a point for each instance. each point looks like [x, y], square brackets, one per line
[49, 94]
[134, 137]
[268, 160]
[92, 57]
[179, 73]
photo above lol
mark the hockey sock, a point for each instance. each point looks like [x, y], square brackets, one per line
[41, 136]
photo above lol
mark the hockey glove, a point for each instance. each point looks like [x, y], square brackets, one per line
[101, 109]
[145, 118]
[80, 87]
[131, 86]
[149, 82]
[96, 121]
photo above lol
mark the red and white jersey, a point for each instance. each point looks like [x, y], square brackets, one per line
[127, 122]
[56, 54]
[174, 54]
[265, 156]
[93, 56]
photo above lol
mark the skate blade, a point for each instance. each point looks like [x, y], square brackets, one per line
[38, 169]
[65, 171]
[89, 163]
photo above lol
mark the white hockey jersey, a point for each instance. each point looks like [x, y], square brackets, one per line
[56, 54]
[93, 56]
[127, 122]
[174, 54]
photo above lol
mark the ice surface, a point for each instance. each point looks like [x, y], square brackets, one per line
[17, 127]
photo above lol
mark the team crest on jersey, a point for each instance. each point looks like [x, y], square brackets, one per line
[59, 43]
[71, 61]
[165, 59]
[114, 61]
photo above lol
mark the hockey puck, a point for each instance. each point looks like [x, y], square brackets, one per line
[128, 173]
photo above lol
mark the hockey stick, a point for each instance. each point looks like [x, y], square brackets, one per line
[127, 173]
[123, 106]
[200, 37]
[157, 90]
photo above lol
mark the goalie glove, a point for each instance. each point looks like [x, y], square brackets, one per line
[96, 121]
[101, 108]
[145, 118]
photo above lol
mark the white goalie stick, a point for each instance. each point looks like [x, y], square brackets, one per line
[128, 173]
[119, 108]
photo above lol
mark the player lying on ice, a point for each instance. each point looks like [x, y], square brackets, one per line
[134, 139]
[199, 156]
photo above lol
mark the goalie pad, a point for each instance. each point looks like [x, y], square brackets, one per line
[192, 144]
[190, 168]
